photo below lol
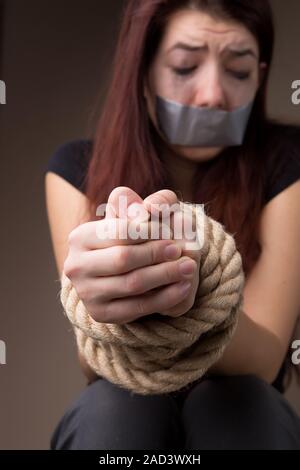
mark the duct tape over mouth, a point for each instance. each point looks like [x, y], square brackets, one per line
[191, 126]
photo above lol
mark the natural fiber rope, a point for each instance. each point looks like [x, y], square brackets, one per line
[160, 354]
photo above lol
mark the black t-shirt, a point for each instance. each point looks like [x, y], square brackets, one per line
[70, 161]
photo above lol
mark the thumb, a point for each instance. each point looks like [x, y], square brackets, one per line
[164, 196]
[162, 206]
[124, 202]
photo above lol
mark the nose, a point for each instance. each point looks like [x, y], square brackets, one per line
[210, 93]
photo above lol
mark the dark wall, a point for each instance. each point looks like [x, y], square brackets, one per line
[55, 60]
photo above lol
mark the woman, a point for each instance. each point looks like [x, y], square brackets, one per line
[207, 63]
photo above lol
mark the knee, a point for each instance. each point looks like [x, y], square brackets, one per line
[238, 392]
[76, 416]
[237, 384]
[103, 398]
[242, 412]
[104, 402]
[250, 390]
[108, 416]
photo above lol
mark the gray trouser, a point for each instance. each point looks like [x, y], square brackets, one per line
[237, 412]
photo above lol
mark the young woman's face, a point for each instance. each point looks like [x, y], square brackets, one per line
[207, 62]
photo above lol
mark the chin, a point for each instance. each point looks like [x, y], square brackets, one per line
[198, 154]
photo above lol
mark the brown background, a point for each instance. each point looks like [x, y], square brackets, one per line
[55, 59]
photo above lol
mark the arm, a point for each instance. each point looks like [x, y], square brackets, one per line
[66, 207]
[271, 294]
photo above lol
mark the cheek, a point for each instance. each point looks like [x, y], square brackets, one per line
[167, 85]
[239, 93]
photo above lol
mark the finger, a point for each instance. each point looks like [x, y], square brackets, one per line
[119, 200]
[139, 281]
[110, 232]
[162, 198]
[116, 260]
[163, 205]
[132, 308]
[182, 222]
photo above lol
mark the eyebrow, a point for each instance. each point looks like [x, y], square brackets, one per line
[241, 52]
[186, 47]
[231, 51]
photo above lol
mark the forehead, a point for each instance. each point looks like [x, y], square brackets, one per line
[199, 28]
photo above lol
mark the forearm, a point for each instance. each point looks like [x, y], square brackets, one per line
[252, 350]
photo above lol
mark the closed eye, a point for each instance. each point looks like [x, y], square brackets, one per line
[187, 71]
[184, 71]
[239, 75]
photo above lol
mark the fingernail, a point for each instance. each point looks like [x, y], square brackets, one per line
[172, 251]
[187, 267]
[184, 287]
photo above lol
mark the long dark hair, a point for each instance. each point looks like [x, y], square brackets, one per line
[126, 145]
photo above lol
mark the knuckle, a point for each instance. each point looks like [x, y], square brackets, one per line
[92, 293]
[71, 268]
[107, 314]
[83, 291]
[170, 272]
[72, 237]
[141, 307]
[97, 313]
[121, 259]
[154, 253]
[133, 282]
[66, 267]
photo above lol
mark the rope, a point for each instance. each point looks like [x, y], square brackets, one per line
[161, 354]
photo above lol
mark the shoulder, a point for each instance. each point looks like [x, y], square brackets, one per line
[70, 161]
[283, 164]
